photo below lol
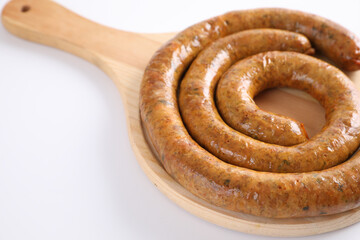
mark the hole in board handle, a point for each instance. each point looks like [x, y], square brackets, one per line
[25, 8]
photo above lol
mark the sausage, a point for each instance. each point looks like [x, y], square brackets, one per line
[245, 79]
[259, 124]
[331, 39]
[240, 112]
[328, 148]
[247, 118]
[268, 194]
[196, 96]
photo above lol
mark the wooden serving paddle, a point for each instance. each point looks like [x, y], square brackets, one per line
[123, 56]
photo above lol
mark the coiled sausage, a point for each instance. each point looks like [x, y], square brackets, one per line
[267, 194]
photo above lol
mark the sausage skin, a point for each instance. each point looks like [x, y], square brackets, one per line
[278, 195]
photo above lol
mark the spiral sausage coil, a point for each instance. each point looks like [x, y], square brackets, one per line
[197, 110]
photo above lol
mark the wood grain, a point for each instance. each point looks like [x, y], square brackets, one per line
[123, 56]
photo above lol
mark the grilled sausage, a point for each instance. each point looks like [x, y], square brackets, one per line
[337, 43]
[245, 79]
[267, 194]
[197, 90]
[203, 122]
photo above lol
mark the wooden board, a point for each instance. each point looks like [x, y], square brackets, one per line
[123, 56]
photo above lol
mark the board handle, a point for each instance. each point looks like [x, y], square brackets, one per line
[48, 23]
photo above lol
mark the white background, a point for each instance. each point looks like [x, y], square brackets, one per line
[67, 170]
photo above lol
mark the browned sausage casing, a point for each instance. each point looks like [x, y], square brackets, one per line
[266, 194]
